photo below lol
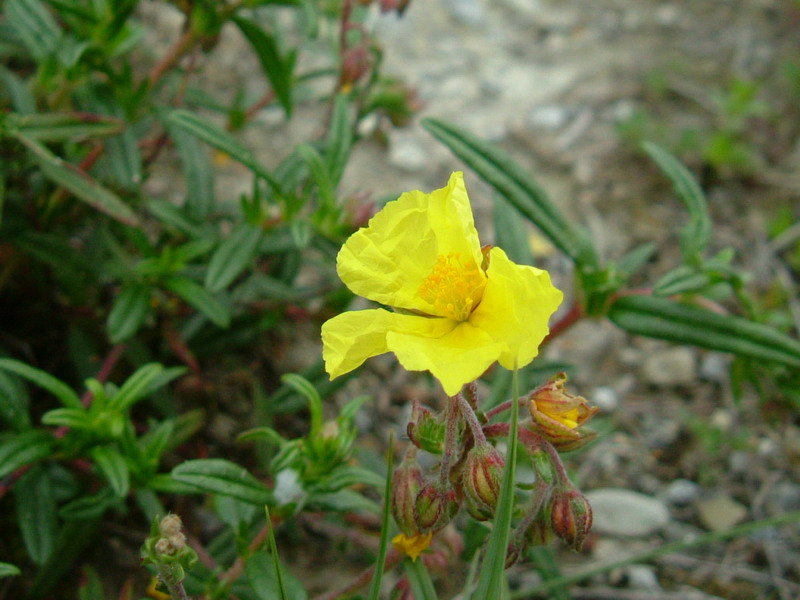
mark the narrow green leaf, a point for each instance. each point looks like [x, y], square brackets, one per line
[156, 440]
[171, 215]
[681, 280]
[198, 170]
[668, 320]
[198, 297]
[267, 583]
[91, 588]
[219, 476]
[276, 563]
[420, 580]
[123, 159]
[75, 418]
[34, 25]
[512, 181]
[319, 172]
[233, 256]
[221, 140]
[383, 546]
[347, 475]
[305, 388]
[14, 401]
[114, 468]
[36, 514]
[634, 260]
[277, 68]
[490, 582]
[80, 184]
[24, 448]
[44, 380]
[8, 570]
[22, 99]
[134, 387]
[340, 139]
[512, 235]
[59, 127]
[697, 233]
[128, 313]
[91, 507]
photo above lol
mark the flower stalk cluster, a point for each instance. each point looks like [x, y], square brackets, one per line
[470, 468]
[166, 549]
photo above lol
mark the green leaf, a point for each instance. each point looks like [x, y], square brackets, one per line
[135, 387]
[512, 235]
[80, 184]
[681, 280]
[347, 475]
[383, 546]
[198, 297]
[233, 256]
[35, 26]
[22, 99]
[305, 388]
[8, 570]
[75, 418]
[219, 476]
[634, 260]
[420, 580]
[59, 127]
[265, 580]
[490, 582]
[198, 170]
[171, 215]
[697, 233]
[14, 401]
[339, 140]
[319, 172]
[36, 514]
[668, 320]
[44, 380]
[91, 588]
[512, 181]
[223, 141]
[24, 448]
[123, 159]
[89, 507]
[128, 313]
[114, 468]
[277, 68]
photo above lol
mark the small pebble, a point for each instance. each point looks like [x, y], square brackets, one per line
[681, 492]
[626, 513]
[605, 398]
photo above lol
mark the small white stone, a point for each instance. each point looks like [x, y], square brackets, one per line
[642, 577]
[670, 367]
[626, 513]
[681, 492]
[605, 398]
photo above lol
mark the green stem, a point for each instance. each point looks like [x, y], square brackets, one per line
[168, 576]
[652, 553]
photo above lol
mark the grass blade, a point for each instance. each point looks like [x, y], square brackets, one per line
[420, 579]
[375, 585]
[490, 583]
[273, 548]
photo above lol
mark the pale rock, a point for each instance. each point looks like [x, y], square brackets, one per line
[720, 512]
[681, 492]
[626, 513]
[670, 367]
[605, 398]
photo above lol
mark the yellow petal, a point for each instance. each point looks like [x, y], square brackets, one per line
[455, 358]
[388, 260]
[517, 304]
[412, 546]
[352, 337]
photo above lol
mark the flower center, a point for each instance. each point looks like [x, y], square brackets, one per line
[454, 287]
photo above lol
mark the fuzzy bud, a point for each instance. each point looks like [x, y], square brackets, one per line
[435, 505]
[481, 478]
[355, 63]
[427, 431]
[571, 516]
[406, 483]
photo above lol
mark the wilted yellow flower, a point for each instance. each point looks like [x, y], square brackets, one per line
[456, 310]
[412, 545]
[559, 415]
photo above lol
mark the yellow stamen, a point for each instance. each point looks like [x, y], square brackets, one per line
[412, 546]
[453, 287]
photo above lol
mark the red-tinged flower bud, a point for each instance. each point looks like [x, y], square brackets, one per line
[571, 516]
[406, 484]
[515, 551]
[435, 505]
[355, 63]
[558, 415]
[427, 431]
[483, 471]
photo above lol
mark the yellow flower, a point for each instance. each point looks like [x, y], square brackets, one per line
[456, 311]
[413, 545]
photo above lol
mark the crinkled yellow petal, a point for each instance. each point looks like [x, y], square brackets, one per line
[517, 303]
[412, 546]
[388, 260]
[456, 358]
[352, 337]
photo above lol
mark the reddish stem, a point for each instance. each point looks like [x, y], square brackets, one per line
[173, 55]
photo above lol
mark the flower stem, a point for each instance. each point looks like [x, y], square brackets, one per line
[450, 438]
[471, 418]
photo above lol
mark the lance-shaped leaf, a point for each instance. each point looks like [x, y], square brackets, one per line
[57, 127]
[36, 514]
[128, 313]
[114, 468]
[23, 449]
[233, 256]
[79, 183]
[340, 138]
[219, 476]
[34, 25]
[512, 181]
[668, 320]
[695, 236]
[43, 379]
[198, 297]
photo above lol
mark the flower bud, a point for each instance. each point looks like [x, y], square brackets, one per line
[435, 505]
[406, 483]
[355, 63]
[558, 415]
[481, 478]
[571, 516]
[427, 431]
